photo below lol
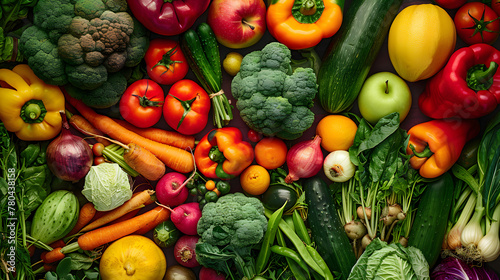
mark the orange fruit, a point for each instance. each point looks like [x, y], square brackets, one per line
[337, 132]
[255, 180]
[270, 152]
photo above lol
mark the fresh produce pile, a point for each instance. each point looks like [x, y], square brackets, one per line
[227, 139]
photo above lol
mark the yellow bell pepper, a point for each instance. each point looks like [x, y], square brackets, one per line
[28, 106]
[303, 24]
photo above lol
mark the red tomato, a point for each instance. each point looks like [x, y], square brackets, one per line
[495, 5]
[141, 103]
[477, 23]
[254, 136]
[165, 61]
[186, 107]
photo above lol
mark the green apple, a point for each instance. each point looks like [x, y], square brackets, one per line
[384, 93]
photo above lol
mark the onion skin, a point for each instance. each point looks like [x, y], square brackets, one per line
[69, 157]
[304, 159]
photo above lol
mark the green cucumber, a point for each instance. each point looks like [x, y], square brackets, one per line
[327, 230]
[211, 48]
[55, 217]
[352, 52]
[431, 219]
[195, 54]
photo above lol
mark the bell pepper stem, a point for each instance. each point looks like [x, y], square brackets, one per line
[308, 7]
[33, 111]
[423, 154]
[216, 155]
[481, 78]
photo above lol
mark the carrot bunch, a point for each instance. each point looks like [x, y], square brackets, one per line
[173, 157]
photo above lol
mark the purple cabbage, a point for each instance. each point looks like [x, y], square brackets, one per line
[456, 269]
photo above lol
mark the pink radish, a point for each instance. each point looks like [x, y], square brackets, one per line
[210, 274]
[184, 250]
[186, 216]
[170, 189]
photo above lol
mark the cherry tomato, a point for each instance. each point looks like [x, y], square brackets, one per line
[141, 103]
[186, 107]
[165, 61]
[477, 23]
[98, 160]
[97, 149]
[254, 136]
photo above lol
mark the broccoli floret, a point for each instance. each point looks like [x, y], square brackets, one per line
[89, 40]
[250, 64]
[276, 56]
[271, 99]
[104, 96]
[233, 219]
[300, 88]
[42, 56]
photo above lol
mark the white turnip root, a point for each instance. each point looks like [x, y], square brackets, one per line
[361, 215]
[184, 250]
[355, 230]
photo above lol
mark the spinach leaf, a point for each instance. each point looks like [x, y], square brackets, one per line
[30, 154]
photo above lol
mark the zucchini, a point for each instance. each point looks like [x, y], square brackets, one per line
[431, 218]
[327, 230]
[352, 52]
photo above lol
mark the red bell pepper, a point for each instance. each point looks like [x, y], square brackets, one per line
[168, 17]
[468, 86]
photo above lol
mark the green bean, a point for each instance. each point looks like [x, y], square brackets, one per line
[320, 261]
[289, 220]
[298, 272]
[300, 227]
[272, 227]
[289, 253]
[299, 245]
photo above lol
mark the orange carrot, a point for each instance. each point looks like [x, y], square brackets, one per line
[172, 138]
[161, 218]
[144, 162]
[136, 202]
[101, 236]
[84, 127]
[52, 256]
[175, 158]
[57, 243]
[87, 212]
[125, 217]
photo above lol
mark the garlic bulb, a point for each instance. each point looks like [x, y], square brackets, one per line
[489, 245]
[338, 166]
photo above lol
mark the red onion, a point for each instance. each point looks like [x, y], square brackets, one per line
[304, 159]
[69, 157]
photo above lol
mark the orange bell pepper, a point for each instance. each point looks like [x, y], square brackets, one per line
[223, 154]
[436, 145]
[303, 24]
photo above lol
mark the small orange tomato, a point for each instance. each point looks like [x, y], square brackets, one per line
[255, 180]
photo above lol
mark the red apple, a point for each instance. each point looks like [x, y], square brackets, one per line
[237, 23]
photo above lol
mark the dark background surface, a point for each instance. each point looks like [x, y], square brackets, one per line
[382, 63]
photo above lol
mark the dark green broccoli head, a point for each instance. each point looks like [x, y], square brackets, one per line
[271, 99]
[234, 219]
[42, 56]
[90, 39]
[104, 96]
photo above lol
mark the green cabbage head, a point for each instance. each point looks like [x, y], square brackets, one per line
[107, 186]
[395, 262]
